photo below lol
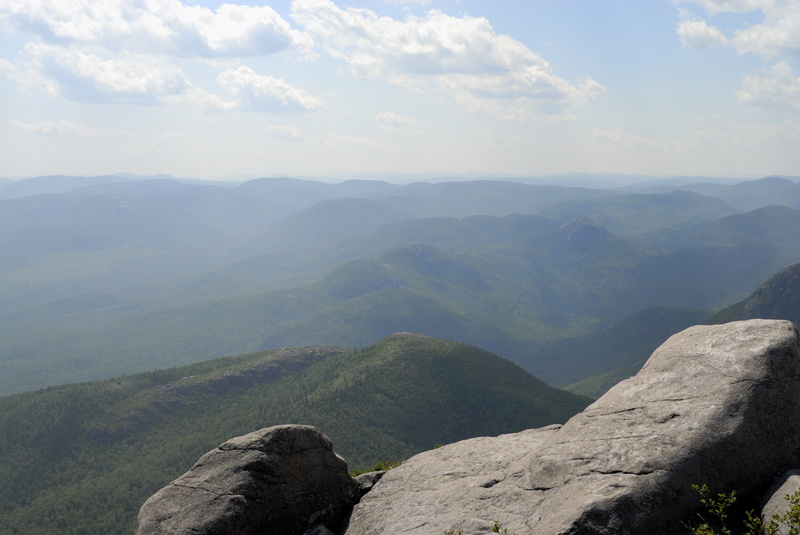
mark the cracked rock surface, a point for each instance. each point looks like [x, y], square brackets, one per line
[284, 479]
[714, 404]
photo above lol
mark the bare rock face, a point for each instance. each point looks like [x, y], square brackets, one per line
[776, 502]
[284, 479]
[714, 404]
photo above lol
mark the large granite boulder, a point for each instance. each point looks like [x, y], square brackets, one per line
[776, 501]
[284, 479]
[714, 404]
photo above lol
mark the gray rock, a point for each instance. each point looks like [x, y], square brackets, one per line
[775, 499]
[714, 404]
[318, 530]
[284, 479]
[461, 486]
[367, 480]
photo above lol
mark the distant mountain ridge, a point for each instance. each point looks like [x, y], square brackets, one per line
[163, 272]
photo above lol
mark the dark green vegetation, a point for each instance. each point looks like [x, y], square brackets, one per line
[101, 276]
[777, 298]
[627, 344]
[622, 348]
[81, 459]
[716, 519]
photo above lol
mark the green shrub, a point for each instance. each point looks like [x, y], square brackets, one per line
[715, 520]
[381, 465]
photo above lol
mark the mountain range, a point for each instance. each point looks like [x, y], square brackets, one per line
[103, 276]
[80, 459]
[317, 288]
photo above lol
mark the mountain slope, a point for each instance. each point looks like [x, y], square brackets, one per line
[637, 213]
[777, 298]
[628, 343]
[82, 458]
[517, 284]
[127, 276]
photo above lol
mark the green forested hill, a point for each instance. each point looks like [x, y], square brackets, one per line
[80, 459]
[623, 349]
[777, 298]
[637, 213]
[626, 344]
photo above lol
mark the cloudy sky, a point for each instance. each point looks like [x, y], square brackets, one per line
[206, 89]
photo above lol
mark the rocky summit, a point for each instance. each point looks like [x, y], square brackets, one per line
[284, 479]
[714, 404]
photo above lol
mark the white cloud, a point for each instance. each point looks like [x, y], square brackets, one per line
[391, 121]
[777, 35]
[733, 6]
[267, 93]
[779, 89]
[404, 2]
[129, 51]
[145, 79]
[698, 34]
[89, 77]
[167, 27]
[460, 56]
[28, 77]
[55, 129]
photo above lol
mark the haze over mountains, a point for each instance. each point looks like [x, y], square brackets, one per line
[576, 285]
[102, 276]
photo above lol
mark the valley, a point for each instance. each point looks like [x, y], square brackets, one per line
[103, 276]
[146, 321]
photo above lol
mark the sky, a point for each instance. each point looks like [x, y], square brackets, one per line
[206, 89]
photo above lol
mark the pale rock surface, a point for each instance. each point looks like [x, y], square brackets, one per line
[714, 404]
[284, 479]
[776, 502]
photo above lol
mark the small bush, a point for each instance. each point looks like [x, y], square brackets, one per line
[381, 465]
[715, 520]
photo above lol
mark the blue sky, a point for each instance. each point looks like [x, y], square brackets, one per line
[312, 87]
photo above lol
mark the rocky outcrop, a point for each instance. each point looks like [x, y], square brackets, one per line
[283, 479]
[715, 404]
[776, 502]
[718, 405]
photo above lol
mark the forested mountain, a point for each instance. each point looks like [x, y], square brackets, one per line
[620, 352]
[752, 194]
[625, 345]
[638, 213]
[103, 276]
[777, 298]
[81, 459]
